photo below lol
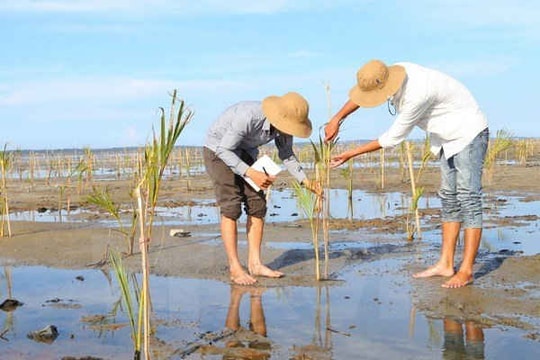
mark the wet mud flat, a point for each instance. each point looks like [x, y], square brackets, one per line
[370, 305]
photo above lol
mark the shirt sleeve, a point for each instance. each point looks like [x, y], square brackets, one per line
[231, 141]
[284, 144]
[410, 114]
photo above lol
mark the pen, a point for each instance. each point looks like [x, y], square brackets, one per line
[266, 172]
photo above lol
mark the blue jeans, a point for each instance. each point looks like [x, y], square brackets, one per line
[461, 183]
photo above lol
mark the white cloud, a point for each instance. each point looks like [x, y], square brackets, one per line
[188, 7]
[476, 68]
[520, 15]
[102, 90]
[303, 54]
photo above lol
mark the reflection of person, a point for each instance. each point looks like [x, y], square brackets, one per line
[231, 147]
[257, 322]
[458, 129]
[455, 347]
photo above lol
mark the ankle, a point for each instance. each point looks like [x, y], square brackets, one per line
[465, 271]
[444, 264]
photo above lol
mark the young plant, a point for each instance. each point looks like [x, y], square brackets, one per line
[502, 141]
[102, 199]
[310, 205]
[524, 149]
[347, 174]
[382, 154]
[129, 291]
[416, 192]
[323, 156]
[6, 161]
[156, 157]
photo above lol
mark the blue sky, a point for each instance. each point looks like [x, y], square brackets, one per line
[93, 73]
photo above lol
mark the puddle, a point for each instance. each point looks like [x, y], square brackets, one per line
[282, 207]
[367, 314]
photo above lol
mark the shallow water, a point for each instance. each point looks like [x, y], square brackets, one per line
[366, 316]
[282, 207]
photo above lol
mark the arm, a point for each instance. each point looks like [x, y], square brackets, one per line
[373, 145]
[332, 128]
[284, 143]
[230, 142]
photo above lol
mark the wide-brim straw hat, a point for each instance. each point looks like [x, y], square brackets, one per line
[288, 113]
[376, 83]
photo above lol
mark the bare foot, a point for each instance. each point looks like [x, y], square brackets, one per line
[461, 279]
[435, 270]
[261, 270]
[242, 278]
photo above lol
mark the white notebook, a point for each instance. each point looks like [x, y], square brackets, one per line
[263, 163]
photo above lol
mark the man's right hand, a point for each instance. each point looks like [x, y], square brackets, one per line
[260, 178]
[331, 130]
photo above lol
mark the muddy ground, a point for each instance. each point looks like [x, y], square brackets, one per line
[506, 290]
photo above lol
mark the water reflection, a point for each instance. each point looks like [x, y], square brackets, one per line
[364, 317]
[252, 341]
[8, 305]
[321, 343]
[251, 344]
[240, 342]
[257, 322]
[462, 340]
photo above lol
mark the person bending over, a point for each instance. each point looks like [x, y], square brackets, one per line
[231, 148]
[446, 110]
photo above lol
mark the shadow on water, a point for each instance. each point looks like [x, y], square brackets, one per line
[366, 314]
[347, 251]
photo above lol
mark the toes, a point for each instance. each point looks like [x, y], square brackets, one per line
[455, 283]
[243, 279]
[262, 270]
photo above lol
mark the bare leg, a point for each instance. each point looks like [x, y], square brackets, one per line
[452, 326]
[233, 314]
[473, 332]
[464, 276]
[255, 228]
[445, 265]
[257, 321]
[229, 234]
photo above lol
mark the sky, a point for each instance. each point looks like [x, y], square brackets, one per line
[94, 73]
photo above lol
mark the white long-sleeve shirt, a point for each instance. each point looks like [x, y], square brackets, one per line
[437, 104]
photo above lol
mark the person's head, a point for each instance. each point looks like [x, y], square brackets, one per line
[376, 83]
[288, 113]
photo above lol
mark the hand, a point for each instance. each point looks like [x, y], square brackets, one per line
[339, 159]
[331, 130]
[313, 186]
[260, 178]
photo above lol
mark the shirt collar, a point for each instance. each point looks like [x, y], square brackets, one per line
[395, 99]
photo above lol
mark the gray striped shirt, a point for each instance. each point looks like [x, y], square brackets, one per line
[243, 127]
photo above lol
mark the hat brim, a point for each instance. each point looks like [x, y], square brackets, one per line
[375, 97]
[270, 107]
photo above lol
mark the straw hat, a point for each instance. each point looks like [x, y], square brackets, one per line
[376, 82]
[288, 114]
